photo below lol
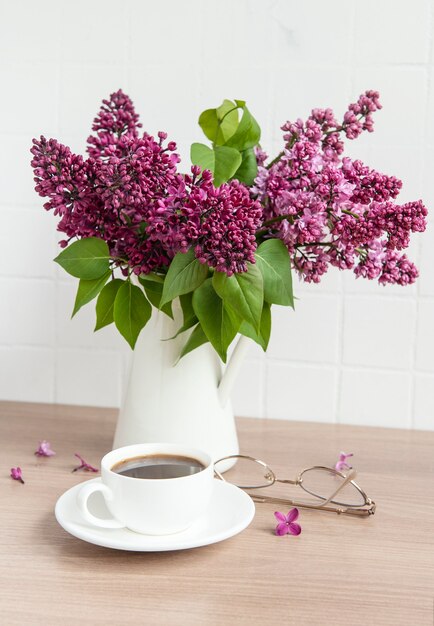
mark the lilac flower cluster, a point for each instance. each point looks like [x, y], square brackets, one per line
[116, 119]
[329, 210]
[130, 193]
[220, 223]
[332, 211]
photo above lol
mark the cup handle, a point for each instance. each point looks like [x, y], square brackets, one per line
[82, 498]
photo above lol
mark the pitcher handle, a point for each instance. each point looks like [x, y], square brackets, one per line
[232, 368]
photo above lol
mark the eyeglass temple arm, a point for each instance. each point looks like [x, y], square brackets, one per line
[286, 481]
[361, 512]
[352, 474]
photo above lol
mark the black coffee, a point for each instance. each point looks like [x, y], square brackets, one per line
[158, 466]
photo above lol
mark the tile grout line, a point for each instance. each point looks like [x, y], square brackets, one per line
[413, 362]
[342, 295]
[272, 106]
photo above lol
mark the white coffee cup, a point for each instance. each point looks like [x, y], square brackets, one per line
[152, 506]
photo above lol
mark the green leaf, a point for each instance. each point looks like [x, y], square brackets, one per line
[186, 326]
[242, 292]
[131, 311]
[105, 303]
[185, 274]
[227, 161]
[196, 339]
[153, 292]
[247, 134]
[88, 290]
[272, 258]
[217, 325]
[86, 258]
[263, 337]
[202, 155]
[155, 278]
[186, 301]
[222, 161]
[221, 123]
[248, 169]
[189, 316]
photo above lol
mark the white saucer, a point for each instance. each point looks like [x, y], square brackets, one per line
[230, 511]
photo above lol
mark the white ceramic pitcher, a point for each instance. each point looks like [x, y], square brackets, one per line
[179, 401]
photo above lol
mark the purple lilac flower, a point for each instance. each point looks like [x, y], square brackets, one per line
[16, 474]
[328, 209]
[130, 193]
[83, 465]
[227, 236]
[60, 176]
[44, 449]
[287, 525]
[117, 118]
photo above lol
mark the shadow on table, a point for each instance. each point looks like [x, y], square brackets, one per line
[51, 537]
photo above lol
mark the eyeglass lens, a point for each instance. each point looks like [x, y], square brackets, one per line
[248, 474]
[322, 483]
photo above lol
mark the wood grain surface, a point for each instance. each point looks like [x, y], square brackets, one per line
[340, 570]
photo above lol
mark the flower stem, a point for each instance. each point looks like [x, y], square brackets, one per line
[271, 221]
[347, 212]
[275, 160]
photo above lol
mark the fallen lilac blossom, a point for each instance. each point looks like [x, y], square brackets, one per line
[44, 449]
[84, 466]
[286, 523]
[16, 474]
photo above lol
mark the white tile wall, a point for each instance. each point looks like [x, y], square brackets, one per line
[378, 332]
[310, 389]
[27, 312]
[424, 402]
[308, 334]
[425, 336]
[352, 351]
[392, 33]
[375, 398]
[88, 377]
[27, 374]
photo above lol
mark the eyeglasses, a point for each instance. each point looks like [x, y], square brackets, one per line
[337, 492]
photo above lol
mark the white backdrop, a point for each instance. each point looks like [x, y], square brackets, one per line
[353, 351]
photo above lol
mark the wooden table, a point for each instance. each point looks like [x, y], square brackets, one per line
[340, 570]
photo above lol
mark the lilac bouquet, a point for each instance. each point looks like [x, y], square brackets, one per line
[224, 237]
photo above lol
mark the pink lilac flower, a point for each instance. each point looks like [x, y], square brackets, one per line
[359, 115]
[44, 449]
[342, 462]
[287, 523]
[330, 210]
[83, 465]
[16, 474]
[397, 269]
[261, 156]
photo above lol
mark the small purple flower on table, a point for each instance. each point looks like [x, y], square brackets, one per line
[44, 449]
[16, 474]
[342, 462]
[286, 525]
[83, 465]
